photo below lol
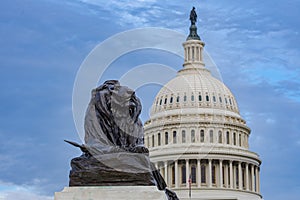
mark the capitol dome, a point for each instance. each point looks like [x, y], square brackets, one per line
[194, 88]
[197, 137]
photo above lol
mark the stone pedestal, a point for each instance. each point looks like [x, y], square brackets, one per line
[111, 193]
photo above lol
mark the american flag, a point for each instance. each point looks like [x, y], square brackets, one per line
[190, 186]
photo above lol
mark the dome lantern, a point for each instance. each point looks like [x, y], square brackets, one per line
[193, 46]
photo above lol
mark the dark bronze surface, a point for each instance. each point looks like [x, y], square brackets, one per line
[114, 153]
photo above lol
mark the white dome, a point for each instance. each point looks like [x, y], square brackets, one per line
[194, 88]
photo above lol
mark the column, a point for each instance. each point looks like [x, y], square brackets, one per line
[256, 179]
[240, 176]
[221, 173]
[247, 176]
[166, 172]
[252, 176]
[199, 173]
[231, 174]
[176, 174]
[226, 176]
[201, 51]
[209, 173]
[187, 168]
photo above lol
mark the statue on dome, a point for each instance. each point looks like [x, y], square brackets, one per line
[114, 153]
[193, 16]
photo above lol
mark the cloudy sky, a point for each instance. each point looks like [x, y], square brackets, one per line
[255, 45]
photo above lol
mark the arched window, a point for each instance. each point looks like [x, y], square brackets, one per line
[213, 174]
[153, 141]
[225, 100]
[202, 136]
[171, 100]
[220, 99]
[193, 138]
[211, 136]
[184, 98]
[203, 174]
[214, 98]
[183, 174]
[200, 97]
[230, 101]
[183, 136]
[166, 138]
[192, 98]
[227, 137]
[177, 99]
[223, 175]
[220, 137]
[193, 173]
[207, 98]
[174, 137]
[160, 102]
[234, 138]
[158, 139]
[166, 100]
[173, 174]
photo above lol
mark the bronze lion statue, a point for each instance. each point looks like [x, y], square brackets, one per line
[114, 153]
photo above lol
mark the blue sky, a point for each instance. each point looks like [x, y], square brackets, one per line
[255, 45]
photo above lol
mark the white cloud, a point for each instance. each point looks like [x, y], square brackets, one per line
[9, 191]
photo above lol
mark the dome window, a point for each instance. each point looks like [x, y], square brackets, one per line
[227, 137]
[207, 98]
[177, 99]
[202, 136]
[234, 138]
[171, 100]
[230, 101]
[166, 138]
[220, 99]
[184, 98]
[160, 102]
[220, 137]
[153, 141]
[211, 136]
[214, 98]
[174, 137]
[200, 97]
[166, 100]
[192, 98]
[225, 100]
[183, 136]
[193, 138]
[158, 139]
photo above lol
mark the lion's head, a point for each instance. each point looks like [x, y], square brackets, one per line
[117, 110]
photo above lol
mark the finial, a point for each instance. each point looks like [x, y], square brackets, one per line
[193, 28]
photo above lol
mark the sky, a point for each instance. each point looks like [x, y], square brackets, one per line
[255, 45]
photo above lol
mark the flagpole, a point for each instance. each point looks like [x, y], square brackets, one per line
[190, 186]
